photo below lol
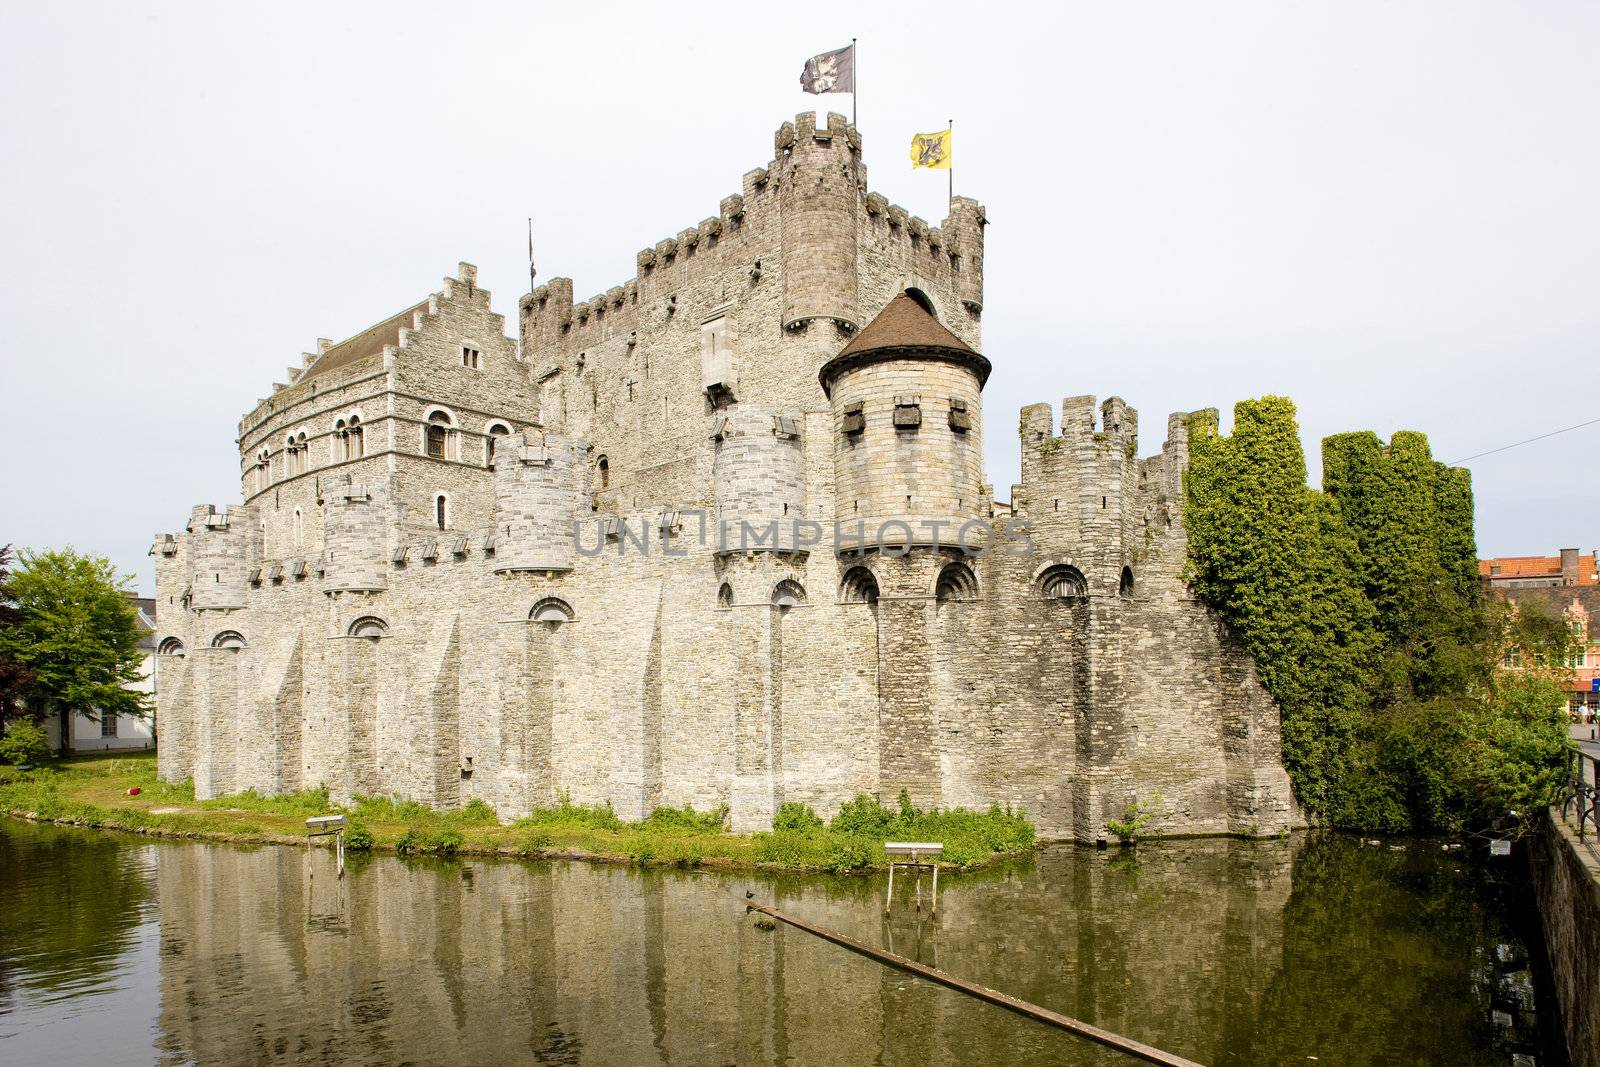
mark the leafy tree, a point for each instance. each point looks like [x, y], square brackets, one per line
[78, 635]
[1361, 607]
[14, 678]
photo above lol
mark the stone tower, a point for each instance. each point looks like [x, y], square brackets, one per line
[907, 411]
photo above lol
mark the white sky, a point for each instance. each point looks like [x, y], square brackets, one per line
[1387, 211]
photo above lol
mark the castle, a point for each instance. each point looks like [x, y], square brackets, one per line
[716, 535]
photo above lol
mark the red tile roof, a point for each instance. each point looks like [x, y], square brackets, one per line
[1535, 567]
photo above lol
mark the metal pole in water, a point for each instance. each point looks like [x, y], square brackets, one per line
[1136, 1049]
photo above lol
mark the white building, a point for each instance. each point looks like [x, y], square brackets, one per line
[118, 732]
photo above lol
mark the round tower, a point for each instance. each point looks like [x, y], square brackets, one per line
[354, 536]
[540, 488]
[906, 396]
[820, 184]
[221, 547]
[758, 468]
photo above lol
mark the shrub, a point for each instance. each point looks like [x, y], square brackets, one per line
[439, 841]
[357, 838]
[1134, 819]
[24, 742]
[687, 819]
[793, 816]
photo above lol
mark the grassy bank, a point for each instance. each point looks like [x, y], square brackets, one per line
[93, 791]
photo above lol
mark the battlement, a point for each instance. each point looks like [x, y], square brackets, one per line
[549, 315]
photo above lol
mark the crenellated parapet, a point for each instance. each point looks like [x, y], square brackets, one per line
[811, 209]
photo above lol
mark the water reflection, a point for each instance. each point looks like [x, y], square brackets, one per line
[1226, 952]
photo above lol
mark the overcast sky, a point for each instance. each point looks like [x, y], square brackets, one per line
[1387, 211]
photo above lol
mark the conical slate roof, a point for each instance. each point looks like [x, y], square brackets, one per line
[904, 329]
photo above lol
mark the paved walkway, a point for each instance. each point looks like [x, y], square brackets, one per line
[1587, 740]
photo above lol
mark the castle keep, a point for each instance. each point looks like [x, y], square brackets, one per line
[622, 560]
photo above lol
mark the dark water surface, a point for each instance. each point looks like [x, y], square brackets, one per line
[115, 949]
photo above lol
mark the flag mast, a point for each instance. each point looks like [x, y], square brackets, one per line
[531, 272]
[952, 130]
[855, 74]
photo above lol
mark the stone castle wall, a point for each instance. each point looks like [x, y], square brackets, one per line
[581, 625]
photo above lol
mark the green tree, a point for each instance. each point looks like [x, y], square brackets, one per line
[14, 678]
[78, 636]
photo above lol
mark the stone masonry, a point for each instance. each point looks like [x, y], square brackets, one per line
[622, 560]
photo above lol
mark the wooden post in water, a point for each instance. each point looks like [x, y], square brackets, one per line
[1136, 1049]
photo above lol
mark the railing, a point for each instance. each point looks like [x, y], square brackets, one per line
[1582, 793]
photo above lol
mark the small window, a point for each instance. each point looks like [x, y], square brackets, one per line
[229, 639]
[441, 511]
[551, 609]
[369, 626]
[299, 529]
[469, 357]
[725, 596]
[956, 582]
[108, 724]
[604, 467]
[355, 441]
[436, 434]
[1063, 582]
[858, 587]
[496, 431]
[1125, 584]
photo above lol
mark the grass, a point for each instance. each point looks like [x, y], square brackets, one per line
[93, 791]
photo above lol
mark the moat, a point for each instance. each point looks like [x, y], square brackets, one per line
[1316, 949]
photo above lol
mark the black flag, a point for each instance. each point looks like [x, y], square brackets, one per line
[831, 72]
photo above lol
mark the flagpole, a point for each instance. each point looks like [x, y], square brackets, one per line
[531, 272]
[952, 130]
[855, 78]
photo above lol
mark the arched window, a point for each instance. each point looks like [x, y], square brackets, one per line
[289, 456]
[436, 434]
[956, 582]
[1125, 585]
[302, 452]
[170, 646]
[229, 639]
[441, 511]
[923, 301]
[299, 529]
[787, 594]
[1063, 582]
[551, 609]
[858, 587]
[369, 626]
[338, 444]
[496, 431]
[725, 596]
[603, 465]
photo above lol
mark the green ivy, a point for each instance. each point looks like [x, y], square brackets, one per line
[1360, 605]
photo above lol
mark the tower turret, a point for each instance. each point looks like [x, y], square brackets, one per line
[906, 395]
[540, 488]
[221, 547]
[820, 182]
[354, 535]
[759, 471]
